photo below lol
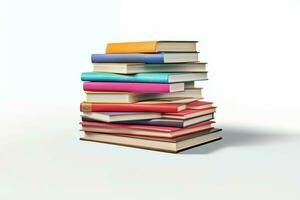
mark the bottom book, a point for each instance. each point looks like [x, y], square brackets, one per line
[173, 145]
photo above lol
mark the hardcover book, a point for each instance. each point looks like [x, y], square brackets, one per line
[133, 107]
[162, 121]
[126, 97]
[143, 77]
[172, 145]
[145, 58]
[133, 87]
[120, 116]
[144, 130]
[134, 68]
[151, 47]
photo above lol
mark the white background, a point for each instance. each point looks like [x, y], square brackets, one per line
[252, 48]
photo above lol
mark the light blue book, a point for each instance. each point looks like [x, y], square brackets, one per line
[144, 77]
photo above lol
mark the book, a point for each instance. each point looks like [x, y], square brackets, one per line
[134, 68]
[133, 87]
[144, 130]
[133, 107]
[199, 105]
[120, 116]
[170, 100]
[143, 77]
[151, 47]
[129, 97]
[146, 58]
[189, 113]
[172, 145]
[163, 122]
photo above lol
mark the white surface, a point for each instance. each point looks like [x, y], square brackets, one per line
[253, 53]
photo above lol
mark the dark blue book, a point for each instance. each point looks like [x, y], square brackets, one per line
[146, 58]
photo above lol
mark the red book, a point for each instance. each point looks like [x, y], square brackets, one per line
[189, 113]
[144, 130]
[131, 107]
[199, 105]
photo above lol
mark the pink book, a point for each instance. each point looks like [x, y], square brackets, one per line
[143, 130]
[133, 87]
[143, 127]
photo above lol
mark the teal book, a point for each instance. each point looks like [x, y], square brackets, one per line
[144, 77]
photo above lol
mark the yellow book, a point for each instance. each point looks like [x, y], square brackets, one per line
[151, 47]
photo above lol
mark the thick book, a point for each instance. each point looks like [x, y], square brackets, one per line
[199, 105]
[172, 145]
[151, 46]
[143, 77]
[162, 122]
[133, 107]
[134, 68]
[145, 58]
[189, 113]
[129, 97]
[144, 130]
[134, 87]
[120, 116]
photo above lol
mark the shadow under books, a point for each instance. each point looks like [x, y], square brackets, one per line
[239, 136]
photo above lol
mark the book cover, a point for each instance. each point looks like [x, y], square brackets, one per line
[132, 47]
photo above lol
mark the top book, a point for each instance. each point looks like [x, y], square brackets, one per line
[151, 47]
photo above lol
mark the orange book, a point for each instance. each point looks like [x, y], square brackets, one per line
[151, 47]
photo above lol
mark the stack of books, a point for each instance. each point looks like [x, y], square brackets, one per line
[142, 94]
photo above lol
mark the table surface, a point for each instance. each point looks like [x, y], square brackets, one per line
[52, 163]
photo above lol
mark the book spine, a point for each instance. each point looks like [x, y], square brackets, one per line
[131, 47]
[127, 107]
[127, 87]
[128, 58]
